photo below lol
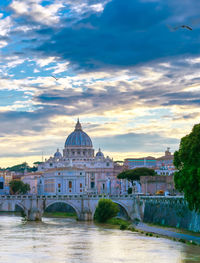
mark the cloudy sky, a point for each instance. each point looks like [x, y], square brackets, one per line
[132, 79]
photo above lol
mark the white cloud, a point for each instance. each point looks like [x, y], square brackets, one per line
[5, 25]
[60, 67]
[45, 61]
[3, 44]
[46, 15]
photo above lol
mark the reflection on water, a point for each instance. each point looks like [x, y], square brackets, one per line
[65, 240]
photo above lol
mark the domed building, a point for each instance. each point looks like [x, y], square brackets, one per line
[57, 155]
[78, 145]
[78, 153]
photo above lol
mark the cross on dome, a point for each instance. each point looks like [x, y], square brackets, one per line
[78, 125]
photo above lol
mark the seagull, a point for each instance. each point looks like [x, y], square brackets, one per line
[177, 27]
[183, 26]
[54, 77]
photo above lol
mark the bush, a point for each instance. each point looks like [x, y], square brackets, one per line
[131, 228]
[130, 190]
[123, 227]
[19, 187]
[182, 240]
[106, 209]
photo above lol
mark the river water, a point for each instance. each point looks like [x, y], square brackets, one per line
[57, 240]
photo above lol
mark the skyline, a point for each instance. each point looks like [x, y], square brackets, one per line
[132, 81]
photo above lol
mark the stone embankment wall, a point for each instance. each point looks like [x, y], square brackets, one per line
[170, 211]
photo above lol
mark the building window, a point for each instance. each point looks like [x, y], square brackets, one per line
[59, 185]
[107, 164]
[103, 186]
[92, 185]
[81, 185]
[49, 185]
[70, 184]
[80, 173]
[58, 173]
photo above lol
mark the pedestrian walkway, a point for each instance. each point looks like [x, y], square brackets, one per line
[167, 232]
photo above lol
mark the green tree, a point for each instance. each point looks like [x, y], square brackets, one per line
[187, 162]
[134, 174]
[18, 187]
[105, 210]
[22, 167]
[19, 167]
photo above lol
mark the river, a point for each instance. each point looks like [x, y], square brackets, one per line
[57, 240]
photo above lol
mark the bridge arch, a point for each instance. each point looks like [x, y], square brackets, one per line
[118, 203]
[21, 206]
[64, 202]
[124, 207]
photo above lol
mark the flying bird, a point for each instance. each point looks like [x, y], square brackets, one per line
[183, 26]
[177, 27]
[54, 77]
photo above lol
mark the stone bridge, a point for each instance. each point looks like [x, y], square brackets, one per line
[84, 205]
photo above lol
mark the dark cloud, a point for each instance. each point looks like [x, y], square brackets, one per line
[187, 116]
[124, 34]
[89, 100]
[23, 122]
[136, 142]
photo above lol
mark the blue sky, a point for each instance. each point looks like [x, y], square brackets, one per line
[122, 69]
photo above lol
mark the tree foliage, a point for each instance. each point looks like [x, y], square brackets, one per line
[18, 187]
[22, 167]
[105, 210]
[187, 162]
[134, 174]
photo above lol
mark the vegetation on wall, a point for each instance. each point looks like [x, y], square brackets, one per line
[187, 162]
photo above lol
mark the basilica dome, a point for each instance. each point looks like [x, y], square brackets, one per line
[78, 138]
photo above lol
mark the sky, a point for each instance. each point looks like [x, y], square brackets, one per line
[122, 67]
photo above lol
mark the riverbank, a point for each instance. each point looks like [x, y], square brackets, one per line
[174, 234]
[60, 215]
[118, 223]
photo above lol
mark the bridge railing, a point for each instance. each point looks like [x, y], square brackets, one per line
[85, 196]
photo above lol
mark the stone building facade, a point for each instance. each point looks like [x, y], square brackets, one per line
[99, 173]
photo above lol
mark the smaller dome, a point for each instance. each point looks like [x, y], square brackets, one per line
[99, 153]
[57, 154]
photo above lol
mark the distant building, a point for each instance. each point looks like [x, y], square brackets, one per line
[3, 188]
[7, 175]
[32, 180]
[131, 163]
[162, 165]
[152, 184]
